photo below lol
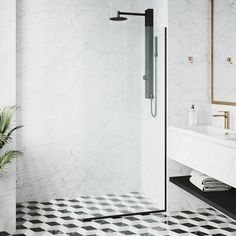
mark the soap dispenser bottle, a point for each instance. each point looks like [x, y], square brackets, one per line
[192, 116]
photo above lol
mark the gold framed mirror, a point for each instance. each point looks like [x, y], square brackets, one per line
[223, 50]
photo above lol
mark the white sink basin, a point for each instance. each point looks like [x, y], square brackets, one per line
[205, 148]
[214, 134]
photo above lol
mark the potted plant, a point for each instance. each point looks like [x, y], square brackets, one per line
[6, 132]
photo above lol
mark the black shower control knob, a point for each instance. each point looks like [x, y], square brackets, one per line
[145, 77]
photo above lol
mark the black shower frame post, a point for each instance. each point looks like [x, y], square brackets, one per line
[165, 148]
[149, 17]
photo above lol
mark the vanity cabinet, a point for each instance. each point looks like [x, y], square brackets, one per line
[206, 149]
[206, 152]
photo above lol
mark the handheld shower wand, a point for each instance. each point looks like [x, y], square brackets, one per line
[154, 109]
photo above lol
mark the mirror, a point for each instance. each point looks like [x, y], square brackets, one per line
[223, 52]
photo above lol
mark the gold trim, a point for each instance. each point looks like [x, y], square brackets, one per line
[213, 101]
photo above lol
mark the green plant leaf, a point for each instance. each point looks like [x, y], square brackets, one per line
[7, 158]
[6, 131]
[6, 118]
[4, 139]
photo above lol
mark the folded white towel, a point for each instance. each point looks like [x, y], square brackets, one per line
[209, 187]
[201, 178]
[206, 183]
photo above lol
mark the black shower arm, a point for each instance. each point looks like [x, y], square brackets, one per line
[130, 13]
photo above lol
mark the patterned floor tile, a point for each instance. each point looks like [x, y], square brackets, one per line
[62, 217]
[85, 207]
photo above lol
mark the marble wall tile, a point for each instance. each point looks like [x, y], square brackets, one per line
[8, 198]
[81, 115]
[80, 91]
[188, 32]
[189, 28]
[189, 84]
[8, 98]
[178, 199]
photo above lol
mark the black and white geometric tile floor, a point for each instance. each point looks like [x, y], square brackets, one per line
[198, 222]
[90, 206]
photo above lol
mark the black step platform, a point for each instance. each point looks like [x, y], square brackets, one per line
[222, 201]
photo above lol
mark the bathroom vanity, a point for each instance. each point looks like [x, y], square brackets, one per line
[206, 149]
[211, 151]
[201, 32]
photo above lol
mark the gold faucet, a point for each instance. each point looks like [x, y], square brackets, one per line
[226, 116]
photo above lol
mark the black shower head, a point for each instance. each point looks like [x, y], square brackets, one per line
[118, 17]
[121, 18]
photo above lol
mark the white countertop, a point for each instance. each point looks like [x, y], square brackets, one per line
[209, 133]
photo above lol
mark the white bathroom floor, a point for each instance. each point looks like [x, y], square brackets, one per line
[198, 222]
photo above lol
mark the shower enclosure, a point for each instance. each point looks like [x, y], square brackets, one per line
[85, 88]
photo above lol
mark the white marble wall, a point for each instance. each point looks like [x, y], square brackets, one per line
[188, 27]
[7, 94]
[80, 91]
[178, 199]
[80, 99]
[189, 84]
